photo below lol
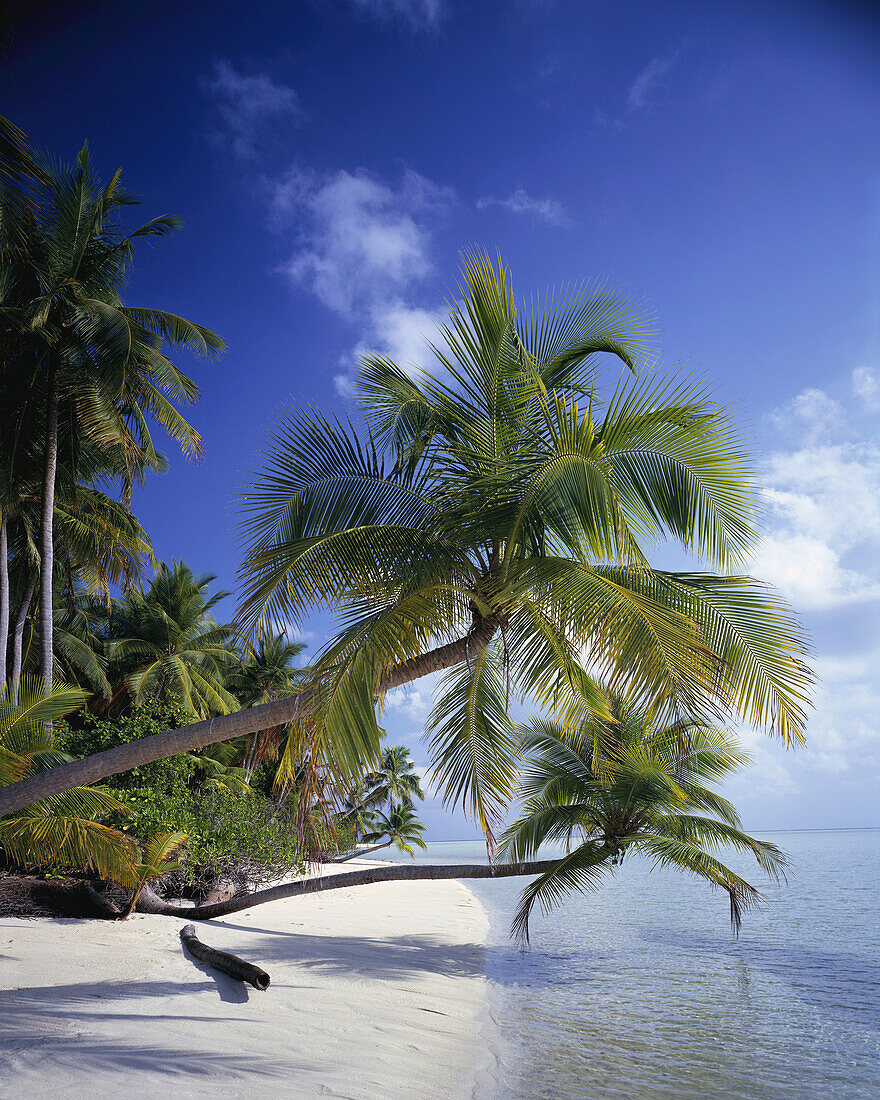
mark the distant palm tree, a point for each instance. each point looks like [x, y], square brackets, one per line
[396, 780]
[60, 831]
[399, 827]
[165, 643]
[629, 784]
[267, 672]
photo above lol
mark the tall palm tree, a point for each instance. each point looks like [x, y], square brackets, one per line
[628, 784]
[495, 521]
[89, 366]
[163, 642]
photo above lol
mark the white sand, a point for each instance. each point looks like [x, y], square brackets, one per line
[377, 992]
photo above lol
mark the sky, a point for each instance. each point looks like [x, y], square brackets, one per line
[718, 163]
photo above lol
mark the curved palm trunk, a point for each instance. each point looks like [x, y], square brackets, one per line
[78, 773]
[402, 872]
[360, 852]
[47, 548]
[4, 600]
[18, 638]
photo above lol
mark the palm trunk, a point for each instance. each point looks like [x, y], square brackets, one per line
[360, 852]
[280, 711]
[18, 637]
[397, 873]
[47, 548]
[4, 600]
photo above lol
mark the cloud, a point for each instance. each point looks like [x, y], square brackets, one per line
[643, 89]
[361, 241]
[521, 202]
[409, 702]
[397, 331]
[417, 14]
[866, 386]
[247, 105]
[823, 495]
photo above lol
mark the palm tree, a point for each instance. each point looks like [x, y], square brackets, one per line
[494, 522]
[60, 830]
[163, 642]
[396, 780]
[399, 827]
[628, 784]
[96, 363]
[267, 672]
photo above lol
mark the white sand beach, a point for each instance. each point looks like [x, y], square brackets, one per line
[377, 992]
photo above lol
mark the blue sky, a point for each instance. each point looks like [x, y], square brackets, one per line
[719, 162]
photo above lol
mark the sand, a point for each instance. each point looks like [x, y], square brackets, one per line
[377, 992]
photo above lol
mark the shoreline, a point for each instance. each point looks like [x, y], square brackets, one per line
[376, 992]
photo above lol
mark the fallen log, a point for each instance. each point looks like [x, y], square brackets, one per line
[223, 960]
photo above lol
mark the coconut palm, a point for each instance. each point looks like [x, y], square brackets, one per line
[163, 642]
[399, 827]
[495, 521]
[267, 672]
[87, 365]
[629, 784]
[61, 830]
[156, 857]
[396, 780]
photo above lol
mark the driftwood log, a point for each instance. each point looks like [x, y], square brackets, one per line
[223, 960]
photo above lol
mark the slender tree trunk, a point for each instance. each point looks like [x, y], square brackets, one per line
[360, 852]
[18, 637]
[4, 600]
[280, 711]
[47, 547]
[400, 872]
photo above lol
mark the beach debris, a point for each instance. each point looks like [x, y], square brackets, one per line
[223, 960]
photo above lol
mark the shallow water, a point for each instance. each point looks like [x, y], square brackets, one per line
[639, 990]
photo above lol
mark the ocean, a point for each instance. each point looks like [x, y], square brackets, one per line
[640, 990]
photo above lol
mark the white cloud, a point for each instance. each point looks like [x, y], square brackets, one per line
[362, 242]
[643, 89]
[866, 386]
[823, 495]
[409, 702]
[247, 104]
[418, 14]
[521, 202]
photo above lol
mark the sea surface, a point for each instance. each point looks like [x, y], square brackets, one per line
[640, 990]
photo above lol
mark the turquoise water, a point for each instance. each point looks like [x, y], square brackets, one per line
[639, 990]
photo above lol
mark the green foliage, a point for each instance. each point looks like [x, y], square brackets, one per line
[626, 783]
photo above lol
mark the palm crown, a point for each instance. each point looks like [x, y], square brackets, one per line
[629, 784]
[495, 519]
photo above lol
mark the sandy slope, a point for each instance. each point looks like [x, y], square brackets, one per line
[377, 992]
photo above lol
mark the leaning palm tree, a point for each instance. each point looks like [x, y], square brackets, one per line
[399, 827]
[629, 784]
[60, 831]
[495, 520]
[164, 642]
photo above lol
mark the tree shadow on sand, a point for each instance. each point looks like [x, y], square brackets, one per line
[54, 1021]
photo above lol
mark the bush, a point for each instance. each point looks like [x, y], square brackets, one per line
[233, 834]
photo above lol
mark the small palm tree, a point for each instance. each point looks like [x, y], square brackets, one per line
[396, 780]
[164, 642]
[61, 830]
[629, 784]
[156, 857]
[399, 827]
